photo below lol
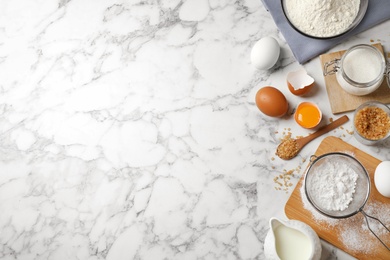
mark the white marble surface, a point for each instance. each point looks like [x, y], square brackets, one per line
[128, 129]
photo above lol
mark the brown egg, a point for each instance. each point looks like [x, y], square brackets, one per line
[271, 101]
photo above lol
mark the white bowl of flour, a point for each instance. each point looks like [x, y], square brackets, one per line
[324, 18]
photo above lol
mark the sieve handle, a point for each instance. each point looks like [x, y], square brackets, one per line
[366, 216]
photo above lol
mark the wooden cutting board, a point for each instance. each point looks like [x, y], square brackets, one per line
[341, 101]
[350, 234]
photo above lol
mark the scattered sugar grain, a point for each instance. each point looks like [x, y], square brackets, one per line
[283, 181]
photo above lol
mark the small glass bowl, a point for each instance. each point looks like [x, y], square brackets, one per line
[359, 17]
[362, 139]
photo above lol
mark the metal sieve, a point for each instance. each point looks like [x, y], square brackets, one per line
[362, 188]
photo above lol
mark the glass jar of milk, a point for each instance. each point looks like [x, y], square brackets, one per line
[360, 71]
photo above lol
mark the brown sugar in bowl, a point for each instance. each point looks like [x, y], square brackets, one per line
[372, 123]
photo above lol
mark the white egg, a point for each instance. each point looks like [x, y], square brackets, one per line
[265, 53]
[382, 178]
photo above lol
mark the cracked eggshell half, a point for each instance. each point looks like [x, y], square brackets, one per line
[265, 53]
[299, 82]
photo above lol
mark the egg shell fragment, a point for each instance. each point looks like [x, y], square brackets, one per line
[265, 53]
[299, 82]
[382, 178]
[271, 101]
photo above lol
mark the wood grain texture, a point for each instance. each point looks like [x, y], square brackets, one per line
[341, 101]
[336, 231]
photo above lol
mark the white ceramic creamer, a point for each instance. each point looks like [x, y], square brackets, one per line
[291, 240]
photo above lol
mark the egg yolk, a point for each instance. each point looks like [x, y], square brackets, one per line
[308, 115]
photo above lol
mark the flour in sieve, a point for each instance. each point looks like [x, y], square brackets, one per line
[333, 185]
[322, 18]
[317, 217]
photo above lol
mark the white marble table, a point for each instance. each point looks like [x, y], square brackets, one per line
[128, 129]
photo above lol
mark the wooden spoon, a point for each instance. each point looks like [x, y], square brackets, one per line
[290, 148]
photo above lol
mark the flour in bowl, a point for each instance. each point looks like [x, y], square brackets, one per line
[322, 18]
[333, 185]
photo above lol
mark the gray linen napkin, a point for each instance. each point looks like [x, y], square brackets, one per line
[305, 48]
